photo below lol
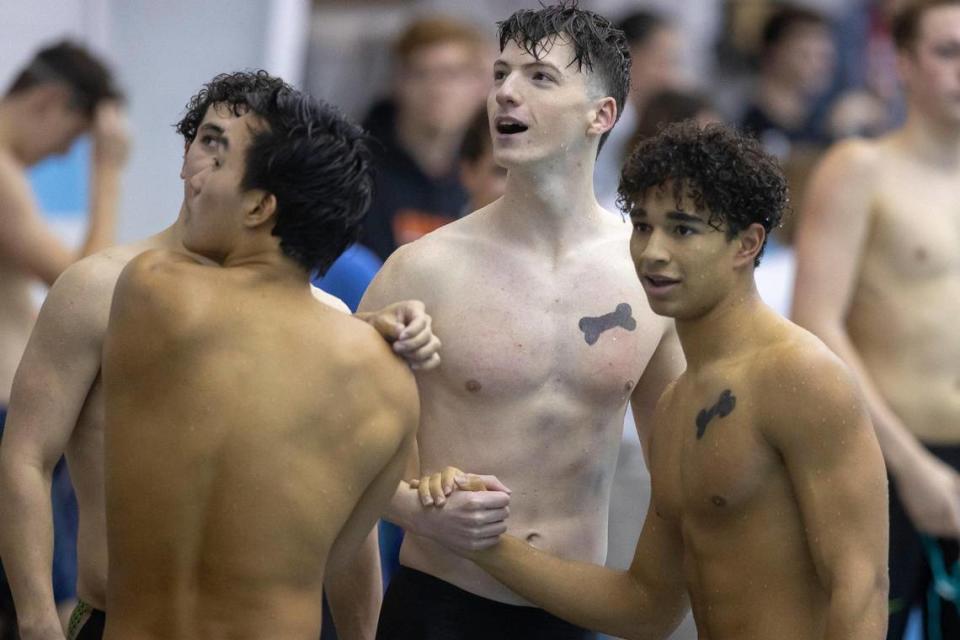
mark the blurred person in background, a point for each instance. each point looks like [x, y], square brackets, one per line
[878, 280]
[797, 60]
[655, 48]
[483, 179]
[439, 82]
[62, 93]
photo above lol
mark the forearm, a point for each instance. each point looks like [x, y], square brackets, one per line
[104, 203]
[26, 544]
[404, 508]
[355, 591]
[590, 596]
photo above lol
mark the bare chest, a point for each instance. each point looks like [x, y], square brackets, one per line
[915, 231]
[508, 334]
[708, 459]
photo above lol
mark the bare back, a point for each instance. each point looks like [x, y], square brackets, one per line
[903, 313]
[17, 314]
[251, 431]
[772, 511]
[541, 355]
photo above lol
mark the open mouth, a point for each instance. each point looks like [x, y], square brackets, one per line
[509, 126]
[659, 281]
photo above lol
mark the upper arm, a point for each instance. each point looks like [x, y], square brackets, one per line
[27, 242]
[665, 365]
[831, 232]
[391, 410]
[60, 364]
[824, 435]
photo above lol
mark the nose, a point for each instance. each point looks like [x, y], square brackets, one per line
[654, 248]
[507, 93]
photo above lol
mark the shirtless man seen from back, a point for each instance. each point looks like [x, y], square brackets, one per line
[234, 399]
[878, 280]
[768, 489]
[71, 329]
[547, 336]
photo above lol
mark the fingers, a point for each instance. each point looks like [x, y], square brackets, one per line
[430, 363]
[436, 490]
[387, 326]
[423, 488]
[491, 516]
[423, 353]
[447, 477]
[414, 323]
[475, 482]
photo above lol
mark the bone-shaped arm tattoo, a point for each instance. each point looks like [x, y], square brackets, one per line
[622, 316]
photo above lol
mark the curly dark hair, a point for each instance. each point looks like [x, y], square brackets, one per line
[597, 44]
[69, 63]
[314, 161]
[720, 170]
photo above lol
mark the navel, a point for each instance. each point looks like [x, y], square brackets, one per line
[719, 501]
[473, 386]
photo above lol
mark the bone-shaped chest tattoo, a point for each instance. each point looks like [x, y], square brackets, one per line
[723, 407]
[622, 316]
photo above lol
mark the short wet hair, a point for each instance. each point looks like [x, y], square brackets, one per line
[314, 161]
[720, 170]
[905, 25]
[598, 45]
[87, 76]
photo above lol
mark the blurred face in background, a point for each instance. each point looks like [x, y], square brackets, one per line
[440, 86]
[805, 57]
[930, 70]
[656, 65]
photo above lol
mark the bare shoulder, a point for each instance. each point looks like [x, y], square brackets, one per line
[801, 383]
[370, 373]
[161, 287]
[415, 270]
[856, 159]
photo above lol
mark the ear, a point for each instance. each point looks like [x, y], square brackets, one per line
[603, 116]
[264, 208]
[749, 242]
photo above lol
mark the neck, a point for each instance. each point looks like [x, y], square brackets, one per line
[550, 206]
[723, 330]
[433, 150]
[933, 140]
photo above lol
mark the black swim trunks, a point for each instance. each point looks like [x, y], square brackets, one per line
[418, 606]
[86, 623]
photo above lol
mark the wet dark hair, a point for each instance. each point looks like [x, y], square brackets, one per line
[306, 153]
[476, 139]
[720, 170]
[66, 62]
[638, 26]
[906, 21]
[597, 44]
[784, 20]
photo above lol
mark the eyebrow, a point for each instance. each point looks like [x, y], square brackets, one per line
[536, 63]
[218, 131]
